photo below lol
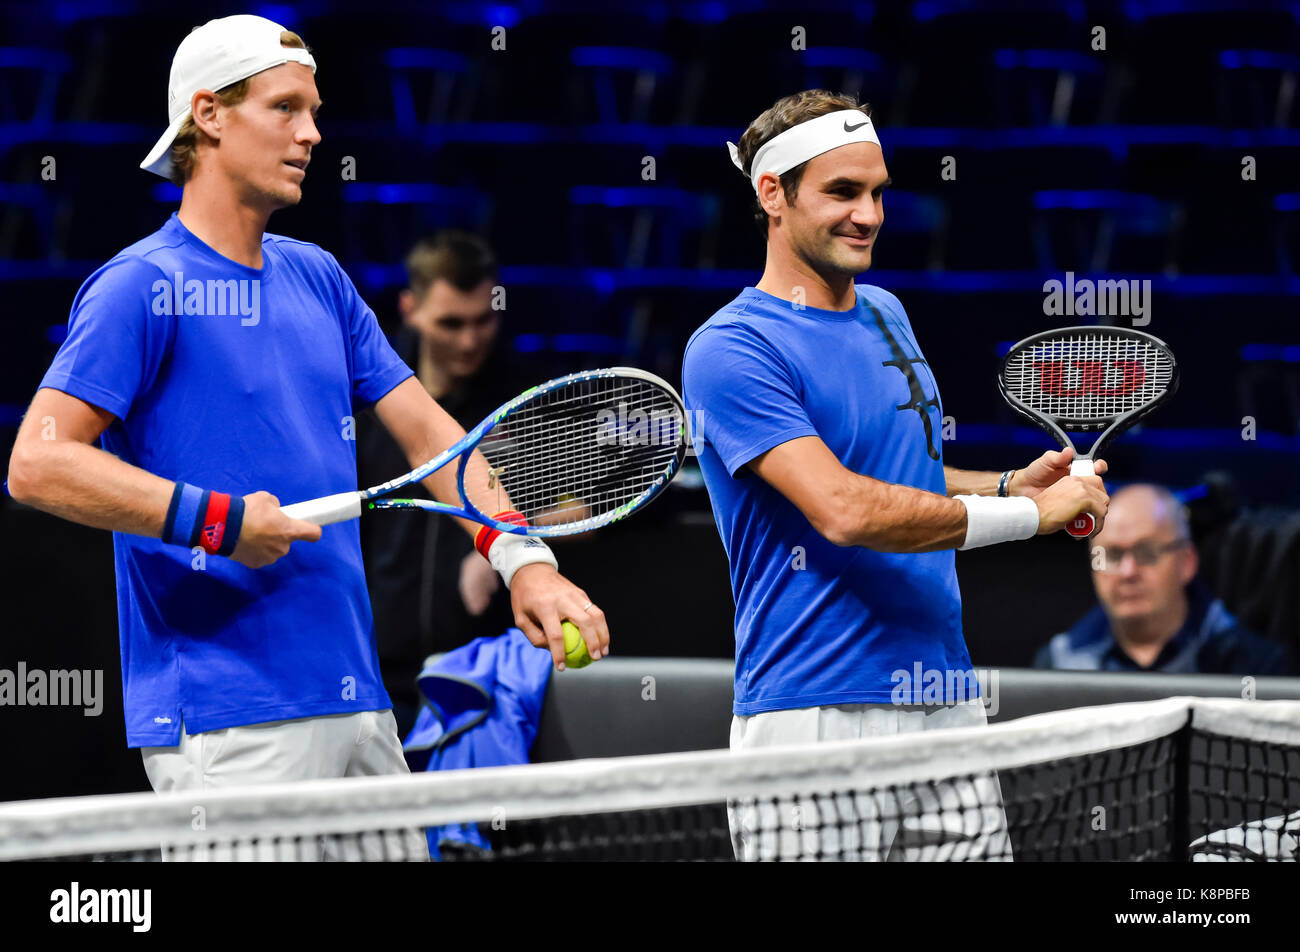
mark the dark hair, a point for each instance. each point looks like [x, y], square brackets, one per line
[459, 257]
[786, 114]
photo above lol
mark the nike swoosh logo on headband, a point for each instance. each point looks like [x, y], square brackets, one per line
[849, 128]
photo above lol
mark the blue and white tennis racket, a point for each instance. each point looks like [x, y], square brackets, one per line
[571, 455]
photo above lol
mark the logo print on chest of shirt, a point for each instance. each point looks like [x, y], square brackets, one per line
[906, 366]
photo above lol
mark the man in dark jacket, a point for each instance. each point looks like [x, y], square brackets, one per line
[430, 590]
[1153, 613]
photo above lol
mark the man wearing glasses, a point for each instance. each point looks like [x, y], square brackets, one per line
[1154, 615]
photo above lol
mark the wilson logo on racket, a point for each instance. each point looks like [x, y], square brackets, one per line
[1087, 380]
[1090, 377]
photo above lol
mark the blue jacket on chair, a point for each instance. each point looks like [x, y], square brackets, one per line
[484, 702]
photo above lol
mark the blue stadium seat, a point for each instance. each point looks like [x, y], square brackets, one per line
[432, 85]
[916, 231]
[382, 221]
[1101, 230]
[753, 53]
[563, 26]
[29, 83]
[626, 84]
[949, 38]
[1268, 386]
[1204, 25]
[849, 70]
[996, 184]
[121, 61]
[1049, 87]
[1257, 88]
[643, 226]
[1183, 89]
[561, 318]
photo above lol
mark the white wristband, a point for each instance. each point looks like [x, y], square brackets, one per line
[509, 553]
[990, 519]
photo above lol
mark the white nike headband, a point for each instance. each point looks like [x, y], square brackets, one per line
[807, 140]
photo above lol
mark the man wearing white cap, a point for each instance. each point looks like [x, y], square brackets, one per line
[219, 368]
[818, 428]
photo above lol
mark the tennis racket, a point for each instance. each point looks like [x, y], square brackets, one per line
[570, 455]
[1089, 380]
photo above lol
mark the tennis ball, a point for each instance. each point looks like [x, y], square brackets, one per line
[575, 649]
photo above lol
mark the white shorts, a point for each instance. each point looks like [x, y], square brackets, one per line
[951, 820]
[310, 748]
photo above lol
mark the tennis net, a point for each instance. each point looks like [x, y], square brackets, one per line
[1176, 779]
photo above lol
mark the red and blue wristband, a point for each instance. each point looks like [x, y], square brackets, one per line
[509, 552]
[204, 518]
[485, 536]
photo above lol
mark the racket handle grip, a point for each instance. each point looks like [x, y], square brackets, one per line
[1083, 524]
[327, 509]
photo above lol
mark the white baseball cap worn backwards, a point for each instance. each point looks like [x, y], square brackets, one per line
[213, 56]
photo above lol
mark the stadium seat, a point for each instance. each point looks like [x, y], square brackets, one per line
[432, 86]
[382, 221]
[643, 226]
[1049, 88]
[1097, 230]
[1257, 88]
[30, 87]
[626, 84]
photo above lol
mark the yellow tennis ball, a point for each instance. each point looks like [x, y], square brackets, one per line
[575, 649]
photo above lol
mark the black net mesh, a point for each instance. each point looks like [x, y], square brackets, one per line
[1174, 790]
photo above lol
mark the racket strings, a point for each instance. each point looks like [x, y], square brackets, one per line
[562, 485]
[551, 400]
[580, 452]
[1088, 380]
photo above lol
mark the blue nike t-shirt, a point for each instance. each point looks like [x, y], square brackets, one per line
[233, 379]
[819, 624]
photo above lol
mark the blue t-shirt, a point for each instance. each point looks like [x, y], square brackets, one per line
[233, 379]
[819, 624]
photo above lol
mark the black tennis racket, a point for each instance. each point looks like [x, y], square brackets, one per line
[1087, 380]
